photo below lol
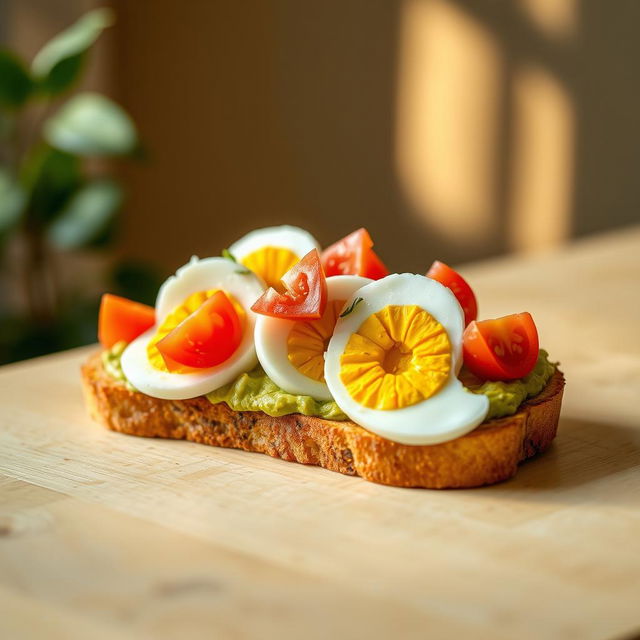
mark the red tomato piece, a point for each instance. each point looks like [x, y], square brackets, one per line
[122, 319]
[353, 255]
[206, 338]
[304, 292]
[501, 349]
[461, 290]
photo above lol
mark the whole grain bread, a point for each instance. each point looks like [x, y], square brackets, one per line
[490, 453]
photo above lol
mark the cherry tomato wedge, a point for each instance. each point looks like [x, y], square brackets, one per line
[303, 294]
[206, 338]
[122, 319]
[353, 255]
[461, 290]
[501, 349]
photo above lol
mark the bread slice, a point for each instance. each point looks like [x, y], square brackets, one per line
[489, 454]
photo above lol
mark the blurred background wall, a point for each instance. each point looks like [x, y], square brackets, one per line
[451, 129]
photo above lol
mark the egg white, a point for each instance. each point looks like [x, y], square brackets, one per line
[448, 414]
[285, 236]
[197, 275]
[271, 336]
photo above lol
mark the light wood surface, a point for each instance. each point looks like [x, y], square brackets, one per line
[108, 536]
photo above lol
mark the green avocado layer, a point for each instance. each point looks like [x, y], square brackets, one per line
[506, 397]
[255, 391]
[111, 363]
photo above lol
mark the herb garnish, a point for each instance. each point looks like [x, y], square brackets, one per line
[351, 307]
[229, 256]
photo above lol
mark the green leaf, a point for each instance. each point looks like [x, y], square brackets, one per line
[91, 125]
[12, 200]
[50, 177]
[58, 64]
[15, 83]
[87, 215]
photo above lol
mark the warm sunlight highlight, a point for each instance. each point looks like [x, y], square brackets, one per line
[555, 17]
[542, 165]
[448, 112]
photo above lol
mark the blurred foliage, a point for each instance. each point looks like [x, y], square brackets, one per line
[49, 202]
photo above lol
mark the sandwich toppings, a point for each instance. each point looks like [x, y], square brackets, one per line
[354, 255]
[392, 363]
[461, 290]
[501, 349]
[273, 251]
[203, 335]
[334, 335]
[206, 336]
[301, 293]
[292, 352]
[122, 320]
[399, 356]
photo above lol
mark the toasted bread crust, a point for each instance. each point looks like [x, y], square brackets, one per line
[489, 454]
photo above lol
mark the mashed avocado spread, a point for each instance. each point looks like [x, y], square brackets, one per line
[255, 391]
[111, 363]
[506, 397]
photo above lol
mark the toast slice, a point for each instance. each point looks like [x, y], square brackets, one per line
[489, 454]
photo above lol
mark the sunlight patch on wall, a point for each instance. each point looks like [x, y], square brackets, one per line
[449, 78]
[542, 168]
[554, 17]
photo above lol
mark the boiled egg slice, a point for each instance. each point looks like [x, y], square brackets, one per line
[178, 297]
[392, 363]
[292, 352]
[272, 251]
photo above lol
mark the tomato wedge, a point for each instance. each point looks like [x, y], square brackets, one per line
[122, 319]
[304, 292]
[353, 255]
[206, 338]
[501, 349]
[461, 290]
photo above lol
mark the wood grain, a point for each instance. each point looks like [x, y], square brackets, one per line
[104, 535]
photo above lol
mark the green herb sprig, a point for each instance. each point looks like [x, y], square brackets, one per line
[229, 256]
[351, 307]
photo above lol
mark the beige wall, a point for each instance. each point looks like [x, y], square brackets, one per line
[450, 129]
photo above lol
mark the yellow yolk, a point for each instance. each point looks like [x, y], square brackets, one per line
[308, 341]
[399, 356]
[270, 263]
[174, 318]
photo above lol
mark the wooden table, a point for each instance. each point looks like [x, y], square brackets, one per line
[106, 536]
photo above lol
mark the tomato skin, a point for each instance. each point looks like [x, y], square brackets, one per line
[304, 295]
[375, 268]
[353, 255]
[461, 290]
[122, 319]
[501, 349]
[206, 338]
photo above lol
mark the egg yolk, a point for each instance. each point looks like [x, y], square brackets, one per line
[399, 356]
[270, 263]
[174, 318]
[307, 341]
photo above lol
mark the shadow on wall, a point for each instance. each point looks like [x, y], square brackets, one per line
[450, 128]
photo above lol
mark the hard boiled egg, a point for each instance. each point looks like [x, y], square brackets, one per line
[292, 352]
[178, 297]
[392, 363]
[272, 251]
